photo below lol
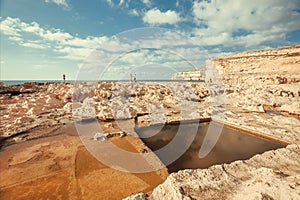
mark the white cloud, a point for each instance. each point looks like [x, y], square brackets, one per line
[134, 12]
[14, 38]
[155, 17]
[56, 35]
[9, 26]
[87, 42]
[121, 2]
[146, 2]
[155, 47]
[32, 27]
[232, 15]
[33, 45]
[78, 53]
[207, 37]
[62, 3]
[258, 38]
[110, 3]
[244, 22]
[69, 46]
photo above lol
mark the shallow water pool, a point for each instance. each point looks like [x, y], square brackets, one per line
[232, 145]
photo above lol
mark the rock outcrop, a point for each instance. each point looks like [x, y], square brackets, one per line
[262, 95]
[257, 91]
[272, 175]
[195, 74]
[32, 110]
[31, 107]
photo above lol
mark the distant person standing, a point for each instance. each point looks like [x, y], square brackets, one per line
[134, 77]
[130, 77]
[64, 78]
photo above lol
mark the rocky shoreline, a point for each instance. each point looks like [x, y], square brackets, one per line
[262, 90]
[262, 96]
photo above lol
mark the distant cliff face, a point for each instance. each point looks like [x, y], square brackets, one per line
[194, 74]
[281, 61]
[255, 81]
[266, 78]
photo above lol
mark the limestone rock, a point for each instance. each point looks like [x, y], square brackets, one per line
[139, 196]
[262, 95]
[257, 178]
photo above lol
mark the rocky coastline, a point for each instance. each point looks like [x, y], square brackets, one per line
[262, 95]
[262, 90]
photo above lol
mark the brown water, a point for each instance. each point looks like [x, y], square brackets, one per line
[232, 145]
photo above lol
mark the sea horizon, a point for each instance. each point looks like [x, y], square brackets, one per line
[19, 82]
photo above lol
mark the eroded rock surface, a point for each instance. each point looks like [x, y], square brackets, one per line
[33, 109]
[60, 167]
[272, 175]
[26, 109]
[264, 91]
[262, 95]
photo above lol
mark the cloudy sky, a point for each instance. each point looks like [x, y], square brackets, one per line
[42, 39]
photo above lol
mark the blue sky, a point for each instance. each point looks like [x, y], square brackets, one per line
[43, 39]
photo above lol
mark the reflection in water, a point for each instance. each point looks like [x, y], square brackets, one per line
[232, 145]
